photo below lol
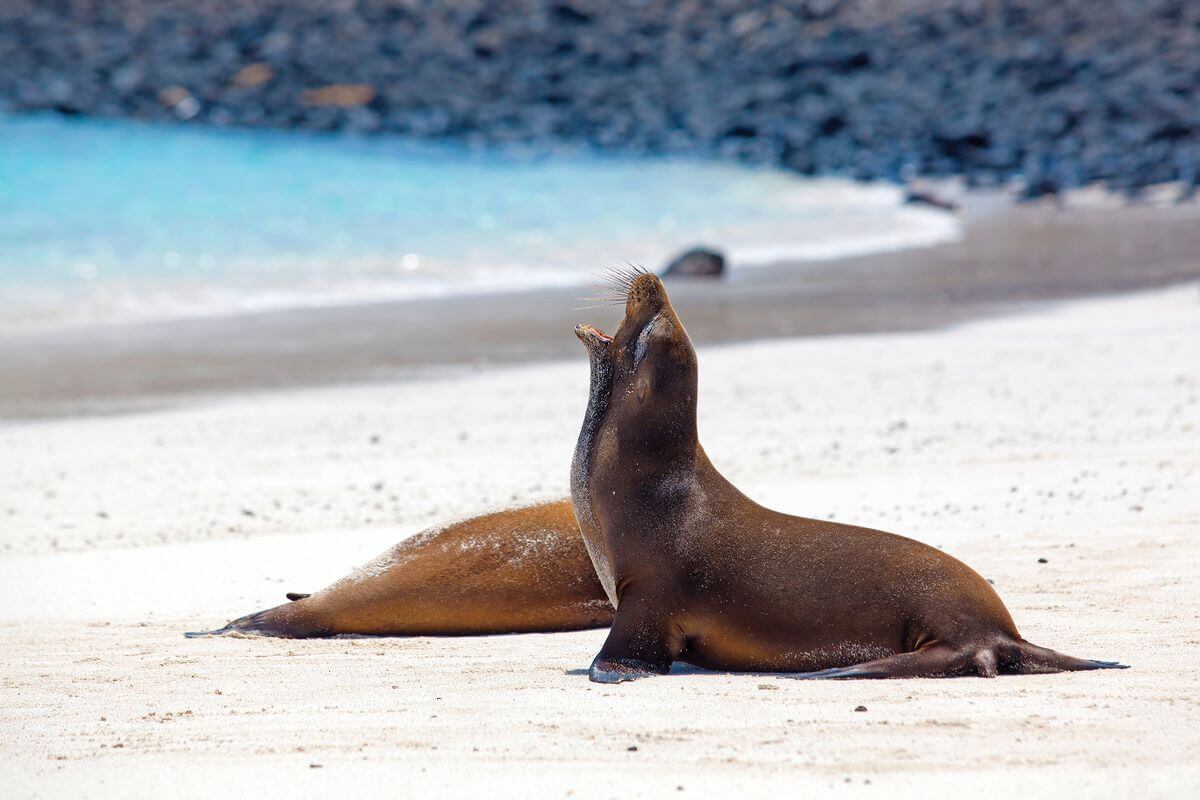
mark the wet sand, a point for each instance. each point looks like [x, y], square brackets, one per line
[1010, 258]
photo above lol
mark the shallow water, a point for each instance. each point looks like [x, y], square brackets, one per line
[108, 220]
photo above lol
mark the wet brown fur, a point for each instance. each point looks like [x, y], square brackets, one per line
[515, 571]
[700, 573]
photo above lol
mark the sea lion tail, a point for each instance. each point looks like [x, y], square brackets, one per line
[288, 621]
[1026, 658]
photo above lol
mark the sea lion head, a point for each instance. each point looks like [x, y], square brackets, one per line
[644, 376]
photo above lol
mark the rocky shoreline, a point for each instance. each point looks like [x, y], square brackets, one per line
[1049, 95]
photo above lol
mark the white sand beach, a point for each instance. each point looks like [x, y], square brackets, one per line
[1056, 452]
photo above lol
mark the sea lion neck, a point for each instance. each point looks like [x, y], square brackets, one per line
[642, 399]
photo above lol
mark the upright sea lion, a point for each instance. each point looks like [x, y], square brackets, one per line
[700, 573]
[523, 570]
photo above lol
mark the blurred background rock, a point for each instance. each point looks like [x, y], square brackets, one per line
[1051, 94]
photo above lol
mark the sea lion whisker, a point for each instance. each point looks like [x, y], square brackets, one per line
[607, 273]
[634, 271]
[621, 272]
[619, 290]
[615, 287]
[620, 282]
[623, 281]
[603, 287]
[605, 296]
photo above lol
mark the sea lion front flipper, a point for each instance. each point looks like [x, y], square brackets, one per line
[641, 644]
[621, 670]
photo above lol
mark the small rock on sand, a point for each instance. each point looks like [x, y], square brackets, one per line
[699, 262]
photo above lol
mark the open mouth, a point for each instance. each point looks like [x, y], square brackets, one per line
[588, 333]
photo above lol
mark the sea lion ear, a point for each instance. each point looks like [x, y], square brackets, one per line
[642, 388]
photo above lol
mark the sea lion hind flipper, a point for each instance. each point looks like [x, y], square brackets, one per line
[1026, 658]
[283, 622]
[945, 661]
[939, 661]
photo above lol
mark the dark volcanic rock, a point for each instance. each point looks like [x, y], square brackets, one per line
[925, 197]
[698, 262]
[1055, 93]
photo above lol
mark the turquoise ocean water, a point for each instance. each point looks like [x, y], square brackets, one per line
[104, 221]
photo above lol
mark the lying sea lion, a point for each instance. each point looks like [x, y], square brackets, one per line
[523, 570]
[698, 572]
